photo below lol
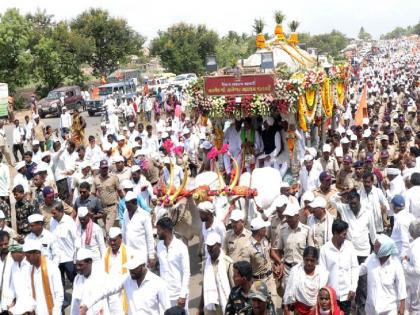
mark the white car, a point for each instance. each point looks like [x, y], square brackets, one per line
[183, 80]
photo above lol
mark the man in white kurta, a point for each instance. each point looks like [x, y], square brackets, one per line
[117, 254]
[86, 283]
[174, 263]
[89, 235]
[146, 292]
[38, 232]
[6, 262]
[137, 230]
[33, 250]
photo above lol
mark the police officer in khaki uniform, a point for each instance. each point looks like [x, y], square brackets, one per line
[291, 242]
[278, 206]
[106, 187]
[236, 238]
[344, 181]
[257, 252]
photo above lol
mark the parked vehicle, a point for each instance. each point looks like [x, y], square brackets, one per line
[183, 80]
[120, 89]
[52, 104]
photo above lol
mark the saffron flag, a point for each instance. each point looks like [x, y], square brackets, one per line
[362, 111]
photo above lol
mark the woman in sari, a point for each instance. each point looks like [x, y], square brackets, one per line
[303, 284]
[78, 129]
[327, 303]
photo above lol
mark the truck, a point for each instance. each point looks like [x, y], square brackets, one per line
[4, 100]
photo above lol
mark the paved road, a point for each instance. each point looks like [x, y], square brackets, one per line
[93, 128]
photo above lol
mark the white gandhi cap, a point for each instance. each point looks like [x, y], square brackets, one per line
[114, 232]
[237, 215]
[258, 223]
[36, 217]
[137, 260]
[82, 212]
[213, 238]
[32, 245]
[206, 206]
[84, 253]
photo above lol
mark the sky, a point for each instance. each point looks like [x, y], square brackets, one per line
[316, 16]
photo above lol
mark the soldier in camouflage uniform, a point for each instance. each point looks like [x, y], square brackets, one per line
[4, 206]
[24, 208]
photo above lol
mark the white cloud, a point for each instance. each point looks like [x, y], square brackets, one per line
[320, 16]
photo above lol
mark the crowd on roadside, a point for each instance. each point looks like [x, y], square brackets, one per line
[344, 238]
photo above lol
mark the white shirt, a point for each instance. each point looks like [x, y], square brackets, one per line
[342, 266]
[137, 232]
[65, 120]
[36, 157]
[233, 138]
[151, 143]
[373, 202]
[385, 284]
[20, 179]
[93, 155]
[396, 187]
[5, 274]
[4, 180]
[400, 233]
[133, 136]
[84, 288]
[325, 224]
[412, 269]
[174, 267]
[65, 235]
[56, 287]
[97, 243]
[302, 287]
[412, 201]
[28, 129]
[361, 227]
[20, 282]
[178, 175]
[217, 227]
[308, 181]
[150, 298]
[18, 135]
[64, 162]
[49, 244]
[144, 188]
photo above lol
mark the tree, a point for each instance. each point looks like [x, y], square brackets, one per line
[113, 40]
[59, 55]
[15, 61]
[327, 44]
[233, 47]
[363, 35]
[183, 47]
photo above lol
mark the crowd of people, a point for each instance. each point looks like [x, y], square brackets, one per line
[342, 238]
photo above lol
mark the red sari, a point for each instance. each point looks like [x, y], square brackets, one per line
[335, 309]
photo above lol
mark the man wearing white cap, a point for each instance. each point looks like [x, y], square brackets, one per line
[133, 133]
[210, 222]
[256, 250]
[174, 263]
[146, 292]
[127, 186]
[36, 152]
[276, 213]
[237, 237]
[308, 175]
[65, 121]
[93, 153]
[137, 229]
[328, 162]
[394, 184]
[4, 226]
[232, 137]
[141, 185]
[6, 263]
[291, 241]
[85, 175]
[150, 142]
[20, 178]
[47, 239]
[45, 280]
[117, 254]
[121, 171]
[320, 223]
[177, 172]
[86, 283]
[217, 277]
[89, 235]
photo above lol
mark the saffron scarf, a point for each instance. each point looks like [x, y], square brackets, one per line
[335, 308]
[45, 285]
[123, 271]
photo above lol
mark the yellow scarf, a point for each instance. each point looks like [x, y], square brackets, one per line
[45, 285]
[123, 271]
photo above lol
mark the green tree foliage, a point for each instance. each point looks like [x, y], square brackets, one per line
[234, 47]
[15, 61]
[363, 35]
[327, 44]
[113, 40]
[59, 55]
[183, 47]
[401, 31]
